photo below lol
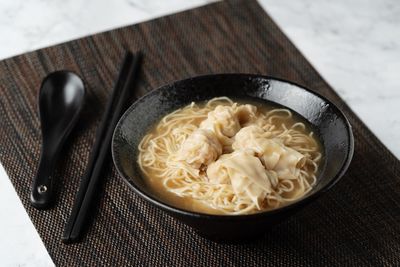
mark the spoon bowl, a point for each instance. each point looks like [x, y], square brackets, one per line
[61, 99]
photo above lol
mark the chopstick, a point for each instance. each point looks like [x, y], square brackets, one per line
[90, 183]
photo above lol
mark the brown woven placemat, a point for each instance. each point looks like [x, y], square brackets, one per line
[357, 223]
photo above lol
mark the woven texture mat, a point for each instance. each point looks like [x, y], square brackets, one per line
[356, 223]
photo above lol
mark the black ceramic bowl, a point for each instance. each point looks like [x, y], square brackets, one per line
[327, 120]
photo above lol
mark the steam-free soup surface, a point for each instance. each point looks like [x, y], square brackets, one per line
[230, 157]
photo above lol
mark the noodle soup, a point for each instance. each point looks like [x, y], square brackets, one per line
[226, 157]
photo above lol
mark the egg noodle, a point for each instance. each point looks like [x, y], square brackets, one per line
[267, 160]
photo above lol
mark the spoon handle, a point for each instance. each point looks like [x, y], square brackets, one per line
[42, 186]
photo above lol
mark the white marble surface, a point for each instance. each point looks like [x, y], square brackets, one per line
[355, 45]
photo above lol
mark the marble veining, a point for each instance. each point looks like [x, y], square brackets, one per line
[355, 46]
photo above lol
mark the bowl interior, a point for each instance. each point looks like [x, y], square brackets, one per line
[326, 119]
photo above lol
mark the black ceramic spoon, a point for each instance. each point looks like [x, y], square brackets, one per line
[61, 99]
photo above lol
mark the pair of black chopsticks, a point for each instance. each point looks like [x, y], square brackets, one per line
[91, 181]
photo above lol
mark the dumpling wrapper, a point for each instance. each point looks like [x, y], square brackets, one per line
[275, 156]
[226, 121]
[246, 113]
[245, 173]
[222, 119]
[289, 164]
[200, 148]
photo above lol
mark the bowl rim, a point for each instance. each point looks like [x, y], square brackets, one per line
[258, 215]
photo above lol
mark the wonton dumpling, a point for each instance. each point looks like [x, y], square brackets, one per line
[222, 118]
[246, 113]
[247, 138]
[251, 138]
[289, 163]
[285, 161]
[244, 171]
[200, 148]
